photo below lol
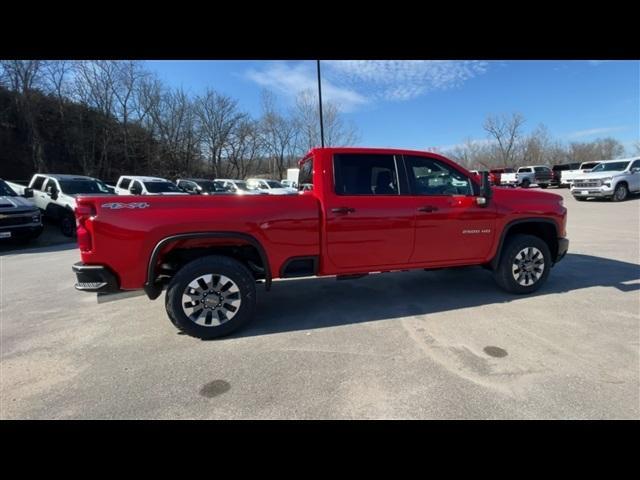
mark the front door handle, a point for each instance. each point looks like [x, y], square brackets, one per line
[343, 210]
[428, 208]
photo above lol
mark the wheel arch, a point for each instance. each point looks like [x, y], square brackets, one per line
[153, 289]
[544, 228]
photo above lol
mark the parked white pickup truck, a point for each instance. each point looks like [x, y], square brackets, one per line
[136, 185]
[55, 195]
[568, 176]
[527, 176]
[613, 179]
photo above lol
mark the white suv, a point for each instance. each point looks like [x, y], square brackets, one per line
[135, 185]
[613, 179]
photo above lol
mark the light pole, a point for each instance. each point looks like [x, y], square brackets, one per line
[320, 100]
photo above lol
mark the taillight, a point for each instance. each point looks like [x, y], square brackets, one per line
[84, 214]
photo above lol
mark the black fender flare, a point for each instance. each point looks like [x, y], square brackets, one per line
[493, 263]
[153, 290]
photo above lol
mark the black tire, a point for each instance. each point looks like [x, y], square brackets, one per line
[525, 183]
[504, 275]
[580, 199]
[621, 193]
[543, 185]
[215, 265]
[68, 225]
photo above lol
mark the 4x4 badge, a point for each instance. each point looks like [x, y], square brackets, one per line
[117, 205]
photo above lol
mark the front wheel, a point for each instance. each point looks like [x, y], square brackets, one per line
[211, 297]
[525, 183]
[621, 193]
[524, 264]
[543, 185]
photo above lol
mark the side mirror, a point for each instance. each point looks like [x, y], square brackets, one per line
[53, 193]
[633, 170]
[486, 192]
[28, 193]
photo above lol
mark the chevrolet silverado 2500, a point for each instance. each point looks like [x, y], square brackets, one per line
[365, 211]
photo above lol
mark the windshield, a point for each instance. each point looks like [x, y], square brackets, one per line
[5, 190]
[73, 187]
[586, 166]
[210, 186]
[241, 185]
[161, 187]
[611, 167]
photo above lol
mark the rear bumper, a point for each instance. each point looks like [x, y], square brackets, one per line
[95, 278]
[563, 247]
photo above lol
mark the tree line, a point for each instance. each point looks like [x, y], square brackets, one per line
[507, 145]
[107, 118]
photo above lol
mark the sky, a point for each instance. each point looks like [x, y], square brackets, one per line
[428, 105]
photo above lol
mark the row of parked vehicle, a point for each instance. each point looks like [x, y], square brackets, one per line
[22, 206]
[612, 179]
[54, 196]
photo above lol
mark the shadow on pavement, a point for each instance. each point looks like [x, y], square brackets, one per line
[51, 240]
[317, 303]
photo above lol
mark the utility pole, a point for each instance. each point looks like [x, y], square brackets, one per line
[320, 100]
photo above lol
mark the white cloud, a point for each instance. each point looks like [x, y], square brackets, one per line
[594, 131]
[403, 79]
[355, 83]
[289, 80]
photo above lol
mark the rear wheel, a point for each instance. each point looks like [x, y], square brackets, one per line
[621, 192]
[543, 185]
[68, 225]
[211, 297]
[524, 264]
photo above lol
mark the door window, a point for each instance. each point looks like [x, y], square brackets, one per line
[428, 176]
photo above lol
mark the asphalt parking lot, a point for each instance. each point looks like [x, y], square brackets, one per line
[435, 345]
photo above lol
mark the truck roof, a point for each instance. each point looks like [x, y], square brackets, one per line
[144, 179]
[398, 151]
[59, 176]
[616, 160]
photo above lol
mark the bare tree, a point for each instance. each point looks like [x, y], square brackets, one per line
[218, 115]
[279, 135]
[243, 150]
[506, 131]
[600, 149]
[307, 118]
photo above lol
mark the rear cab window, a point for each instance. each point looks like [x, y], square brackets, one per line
[365, 174]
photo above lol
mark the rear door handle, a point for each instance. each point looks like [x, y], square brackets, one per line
[428, 208]
[343, 210]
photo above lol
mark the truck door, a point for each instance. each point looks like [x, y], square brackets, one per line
[39, 197]
[369, 223]
[43, 197]
[634, 178]
[450, 225]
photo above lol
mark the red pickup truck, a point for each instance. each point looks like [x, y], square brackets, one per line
[362, 210]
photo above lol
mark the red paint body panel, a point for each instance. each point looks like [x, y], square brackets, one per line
[382, 233]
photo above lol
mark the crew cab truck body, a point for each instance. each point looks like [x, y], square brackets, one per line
[56, 194]
[612, 179]
[527, 176]
[368, 210]
[20, 220]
